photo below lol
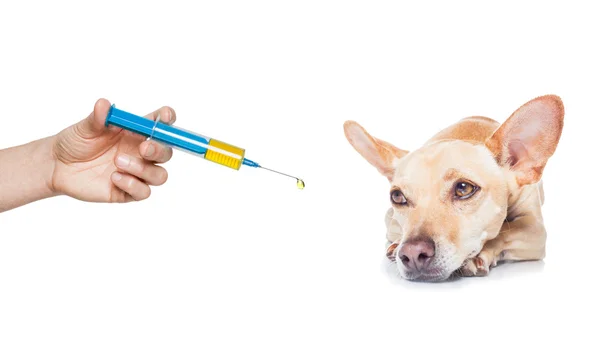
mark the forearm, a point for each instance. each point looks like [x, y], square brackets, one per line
[26, 173]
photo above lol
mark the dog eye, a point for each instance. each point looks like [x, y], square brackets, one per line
[464, 190]
[398, 198]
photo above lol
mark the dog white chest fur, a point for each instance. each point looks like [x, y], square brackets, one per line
[470, 196]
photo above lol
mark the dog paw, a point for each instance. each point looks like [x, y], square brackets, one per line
[477, 266]
[481, 264]
[391, 251]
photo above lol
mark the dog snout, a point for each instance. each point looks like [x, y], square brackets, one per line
[417, 254]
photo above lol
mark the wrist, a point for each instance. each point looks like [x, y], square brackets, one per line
[26, 173]
[47, 159]
[43, 164]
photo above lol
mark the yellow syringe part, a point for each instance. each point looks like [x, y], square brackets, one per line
[230, 155]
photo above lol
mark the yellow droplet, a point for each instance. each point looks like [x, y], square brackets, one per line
[300, 184]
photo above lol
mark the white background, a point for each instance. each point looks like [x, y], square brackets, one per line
[217, 252]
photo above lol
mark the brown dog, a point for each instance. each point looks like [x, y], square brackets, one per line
[470, 196]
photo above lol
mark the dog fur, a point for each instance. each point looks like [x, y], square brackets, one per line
[502, 220]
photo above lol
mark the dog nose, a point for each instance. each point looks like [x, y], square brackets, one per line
[417, 254]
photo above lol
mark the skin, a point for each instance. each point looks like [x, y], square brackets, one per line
[86, 161]
[500, 220]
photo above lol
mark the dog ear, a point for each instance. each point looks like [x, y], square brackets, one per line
[529, 137]
[378, 153]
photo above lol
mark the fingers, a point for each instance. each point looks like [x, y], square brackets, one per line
[155, 152]
[136, 175]
[93, 124]
[167, 115]
[149, 173]
[100, 112]
[131, 185]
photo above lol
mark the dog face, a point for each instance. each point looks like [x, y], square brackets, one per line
[452, 195]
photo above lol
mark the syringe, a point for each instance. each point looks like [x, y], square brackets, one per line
[208, 148]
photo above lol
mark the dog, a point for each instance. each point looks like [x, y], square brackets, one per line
[471, 196]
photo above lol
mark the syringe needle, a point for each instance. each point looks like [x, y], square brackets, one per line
[278, 172]
[299, 182]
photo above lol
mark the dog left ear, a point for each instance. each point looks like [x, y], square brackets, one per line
[529, 137]
[377, 152]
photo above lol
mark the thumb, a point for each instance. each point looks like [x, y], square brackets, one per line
[94, 125]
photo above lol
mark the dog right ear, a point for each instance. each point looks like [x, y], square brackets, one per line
[378, 153]
[529, 137]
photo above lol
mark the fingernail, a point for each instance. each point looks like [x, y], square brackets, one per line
[123, 161]
[117, 176]
[149, 150]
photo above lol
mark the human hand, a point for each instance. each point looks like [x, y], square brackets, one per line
[108, 164]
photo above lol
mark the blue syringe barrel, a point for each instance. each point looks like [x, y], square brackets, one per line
[205, 147]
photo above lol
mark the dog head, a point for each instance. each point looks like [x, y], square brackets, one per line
[451, 195]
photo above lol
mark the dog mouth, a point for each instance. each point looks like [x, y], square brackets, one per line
[430, 275]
